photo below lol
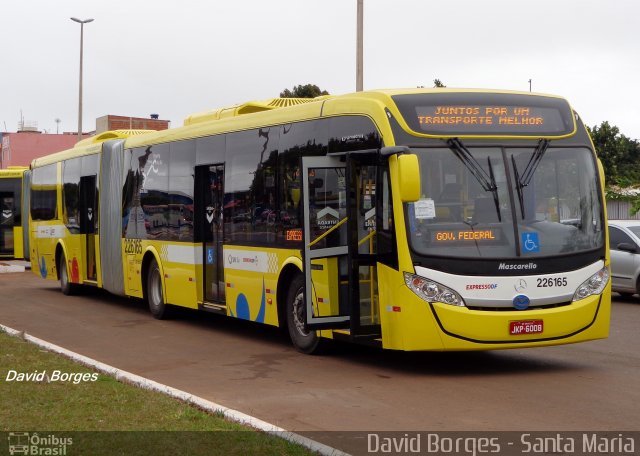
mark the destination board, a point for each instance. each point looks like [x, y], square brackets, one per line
[485, 114]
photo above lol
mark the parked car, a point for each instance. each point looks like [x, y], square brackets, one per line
[624, 242]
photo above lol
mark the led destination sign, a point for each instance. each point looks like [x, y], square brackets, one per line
[482, 114]
[466, 235]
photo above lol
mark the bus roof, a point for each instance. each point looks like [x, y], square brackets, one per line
[248, 108]
[13, 172]
[87, 146]
[256, 114]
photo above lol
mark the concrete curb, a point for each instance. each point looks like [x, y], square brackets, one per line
[209, 406]
[6, 268]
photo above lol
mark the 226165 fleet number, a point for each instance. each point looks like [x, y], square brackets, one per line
[548, 282]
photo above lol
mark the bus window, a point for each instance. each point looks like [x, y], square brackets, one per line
[44, 193]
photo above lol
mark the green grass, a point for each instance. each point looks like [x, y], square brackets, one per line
[109, 405]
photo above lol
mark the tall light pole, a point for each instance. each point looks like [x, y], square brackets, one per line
[81, 22]
[359, 47]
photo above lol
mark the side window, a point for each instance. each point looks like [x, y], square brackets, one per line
[44, 193]
[385, 227]
[70, 194]
[617, 236]
[296, 140]
[90, 165]
[347, 133]
[250, 186]
[210, 149]
[181, 181]
[153, 163]
[131, 196]
[146, 193]
[90, 169]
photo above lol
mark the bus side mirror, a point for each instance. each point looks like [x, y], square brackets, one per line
[408, 178]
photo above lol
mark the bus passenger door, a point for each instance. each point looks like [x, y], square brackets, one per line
[326, 247]
[210, 184]
[340, 243]
[88, 222]
[6, 223]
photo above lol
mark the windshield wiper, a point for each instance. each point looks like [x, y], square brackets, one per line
[529, 171]
[486, 181]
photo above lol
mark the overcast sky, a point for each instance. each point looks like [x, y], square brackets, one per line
[175, 57]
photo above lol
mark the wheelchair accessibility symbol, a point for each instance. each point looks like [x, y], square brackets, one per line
[210, 256]
[530, 242]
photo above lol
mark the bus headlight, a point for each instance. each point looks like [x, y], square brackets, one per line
[593, 285]
[432, 291]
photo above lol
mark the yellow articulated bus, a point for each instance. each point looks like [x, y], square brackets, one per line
[14, 237]
[63, 212]
[410, 219]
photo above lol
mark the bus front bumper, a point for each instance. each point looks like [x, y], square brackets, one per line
[465, 329]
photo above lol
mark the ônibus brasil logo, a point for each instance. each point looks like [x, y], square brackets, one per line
[34, 443]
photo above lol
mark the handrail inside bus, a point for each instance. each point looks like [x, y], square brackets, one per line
[326, 233]
[366, 238]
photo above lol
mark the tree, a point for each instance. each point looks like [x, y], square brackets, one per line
[303, 91]
[620, 155]
[438, 83]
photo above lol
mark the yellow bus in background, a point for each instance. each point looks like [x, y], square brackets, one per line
[14, 237]
[418, 219]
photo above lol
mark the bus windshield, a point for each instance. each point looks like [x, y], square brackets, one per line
[506, 202]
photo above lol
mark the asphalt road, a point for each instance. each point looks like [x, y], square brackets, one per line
[254, 369]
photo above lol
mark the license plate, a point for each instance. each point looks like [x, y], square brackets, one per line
[517, 328]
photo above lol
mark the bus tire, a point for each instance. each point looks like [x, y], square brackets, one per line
[303, 340]
[154, 294]
[66, 286]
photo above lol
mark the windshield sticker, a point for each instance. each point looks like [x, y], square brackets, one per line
[530, 242]
[425, 209]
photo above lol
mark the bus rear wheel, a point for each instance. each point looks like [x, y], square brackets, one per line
[154, 295]
[303, 340]
[66, 286]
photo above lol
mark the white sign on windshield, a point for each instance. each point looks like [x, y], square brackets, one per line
[425, 209]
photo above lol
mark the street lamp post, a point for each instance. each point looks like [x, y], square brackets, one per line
[359, 47]
[81, 22]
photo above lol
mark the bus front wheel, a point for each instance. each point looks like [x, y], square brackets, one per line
[154, 294]
[303, 340]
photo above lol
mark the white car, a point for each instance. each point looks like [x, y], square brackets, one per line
[624, 242]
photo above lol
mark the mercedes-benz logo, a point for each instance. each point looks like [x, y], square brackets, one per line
[520, 285]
